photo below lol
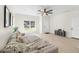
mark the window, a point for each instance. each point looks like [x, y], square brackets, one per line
[29, 25]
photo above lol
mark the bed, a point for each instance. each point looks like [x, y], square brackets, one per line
[24, 43]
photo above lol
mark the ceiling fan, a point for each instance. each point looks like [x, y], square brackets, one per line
[45, 11]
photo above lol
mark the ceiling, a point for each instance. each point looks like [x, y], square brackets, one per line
[32, 9]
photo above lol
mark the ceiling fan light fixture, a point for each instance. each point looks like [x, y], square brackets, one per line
[45, 12]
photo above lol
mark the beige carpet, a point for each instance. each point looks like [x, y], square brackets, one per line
[65, 45]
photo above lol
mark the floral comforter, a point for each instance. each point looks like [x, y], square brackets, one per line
[16, 47]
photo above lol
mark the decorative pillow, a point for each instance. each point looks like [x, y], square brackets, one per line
[16, 37]
[22, 34]
[18, 34]
[25, 39]
[19, 39]
[22, 39]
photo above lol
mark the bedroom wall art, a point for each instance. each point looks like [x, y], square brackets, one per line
[7, 17]
[29, 24]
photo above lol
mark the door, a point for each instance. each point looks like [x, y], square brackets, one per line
[45, 24]
[75, 26]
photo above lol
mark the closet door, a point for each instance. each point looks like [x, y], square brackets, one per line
[75, 26]
[45, 24]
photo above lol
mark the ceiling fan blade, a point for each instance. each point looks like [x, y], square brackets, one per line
[45, 12]
[40, 11]
[49, 10]
[50, 13]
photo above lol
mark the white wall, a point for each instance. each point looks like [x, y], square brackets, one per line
[1, 16]
[5, 33]
[19, 21]
[63, 21]
[42, 22]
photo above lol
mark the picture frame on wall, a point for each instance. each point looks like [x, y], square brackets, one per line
[7, 17]
[29, 24]
[26, 24]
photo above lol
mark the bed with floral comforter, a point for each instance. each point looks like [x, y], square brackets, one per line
[35, 46]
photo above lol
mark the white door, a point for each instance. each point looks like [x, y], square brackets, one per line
[45, 24]
[75, 26]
